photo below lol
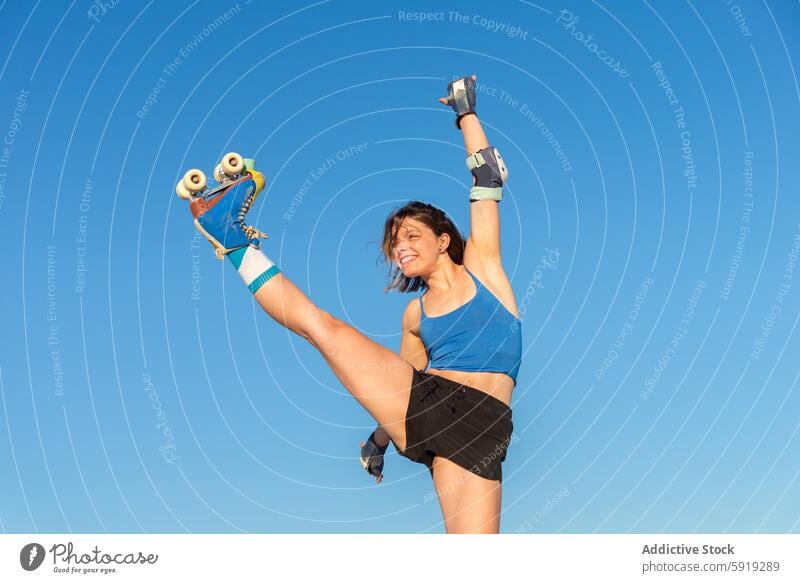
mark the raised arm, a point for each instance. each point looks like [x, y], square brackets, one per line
[472, 132]
[488, 172]
[484, 215]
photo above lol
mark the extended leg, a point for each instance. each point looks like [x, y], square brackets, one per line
[378, 378]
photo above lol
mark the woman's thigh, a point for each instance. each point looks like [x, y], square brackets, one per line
[470, 503]
[378, 378]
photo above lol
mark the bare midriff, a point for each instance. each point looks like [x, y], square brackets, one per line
[496, 384]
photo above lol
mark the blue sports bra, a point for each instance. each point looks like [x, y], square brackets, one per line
[480, 336]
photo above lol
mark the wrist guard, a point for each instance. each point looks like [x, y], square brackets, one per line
[461, 97]
[489, 170]
[372, 456]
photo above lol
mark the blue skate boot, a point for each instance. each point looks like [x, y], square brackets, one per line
[219, 212]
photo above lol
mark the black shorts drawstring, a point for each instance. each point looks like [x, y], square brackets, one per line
[458, 392]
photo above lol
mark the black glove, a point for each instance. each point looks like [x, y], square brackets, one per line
[372, 456]
[461, 97]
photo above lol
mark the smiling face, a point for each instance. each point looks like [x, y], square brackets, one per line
[412, 247]
[416, 248]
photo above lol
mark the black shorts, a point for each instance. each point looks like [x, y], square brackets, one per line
[457, 422]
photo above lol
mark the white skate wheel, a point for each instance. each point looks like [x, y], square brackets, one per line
[219, 174]
[181, 191]
[232, 164]
[194, 180]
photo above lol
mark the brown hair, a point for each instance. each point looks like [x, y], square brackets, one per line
[433, 218]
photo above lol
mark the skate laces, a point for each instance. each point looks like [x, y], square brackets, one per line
[250, 231]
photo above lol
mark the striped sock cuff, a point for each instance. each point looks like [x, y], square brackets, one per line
[253, 266]
[263, 278]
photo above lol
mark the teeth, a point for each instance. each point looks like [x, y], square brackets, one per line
[405, 260]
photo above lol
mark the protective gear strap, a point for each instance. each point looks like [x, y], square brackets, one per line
[490, 172]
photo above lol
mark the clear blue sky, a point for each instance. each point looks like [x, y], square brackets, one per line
[650, 229]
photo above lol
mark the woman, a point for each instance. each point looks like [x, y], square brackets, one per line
[455, 417]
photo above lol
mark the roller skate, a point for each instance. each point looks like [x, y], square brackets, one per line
[219, 211]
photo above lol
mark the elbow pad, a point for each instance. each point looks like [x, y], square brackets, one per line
[490, 172]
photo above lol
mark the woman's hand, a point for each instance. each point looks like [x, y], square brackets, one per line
[461, 97]
[373, 468]
[446, 101]
[372, 457]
